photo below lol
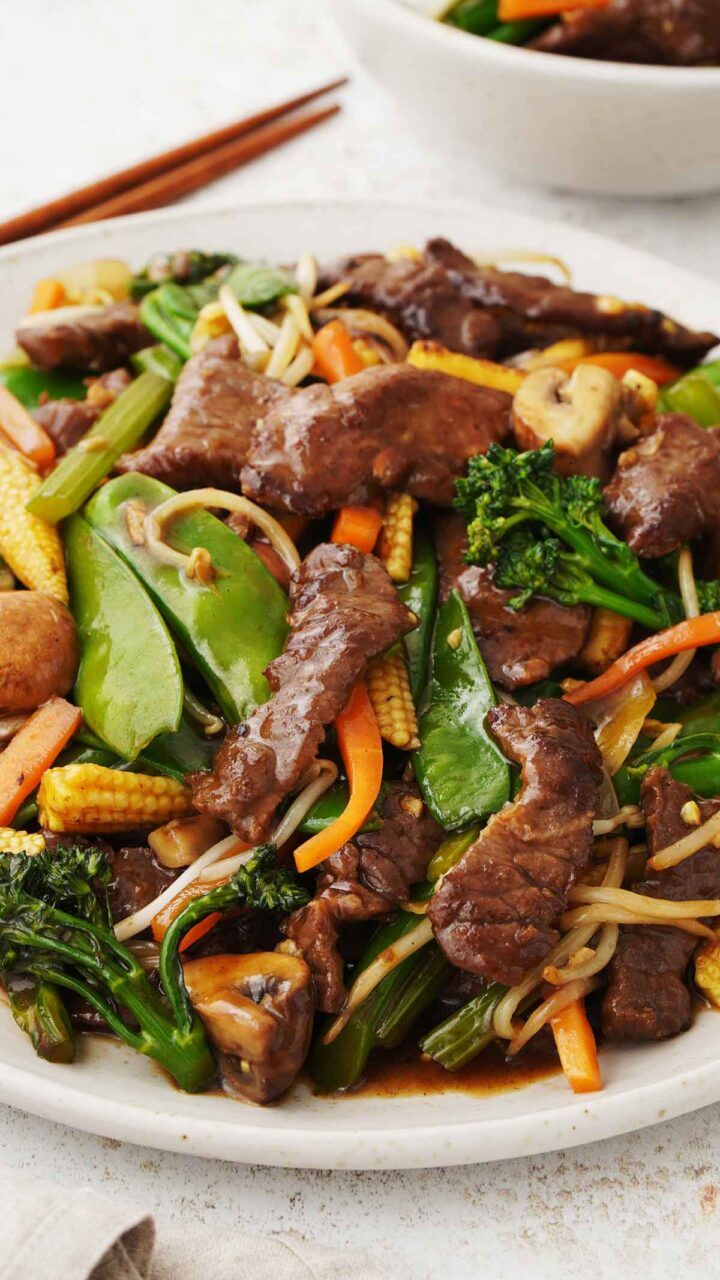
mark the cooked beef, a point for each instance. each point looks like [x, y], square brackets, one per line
[393, 427]
[666, 489]
[647, 996]
[483, 311]
[519, 646]
[67, 421]
[421, 299]
[344, 611]
[532, 311]
[94, 340]
[367, 877]
[494, 914]
[137, 878]
[205, 437]
[681, 32]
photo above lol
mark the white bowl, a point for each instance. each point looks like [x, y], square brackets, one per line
[606, 127]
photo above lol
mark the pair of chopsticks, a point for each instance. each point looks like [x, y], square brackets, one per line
[159, 181]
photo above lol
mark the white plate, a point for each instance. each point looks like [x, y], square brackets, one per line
[114, 1092]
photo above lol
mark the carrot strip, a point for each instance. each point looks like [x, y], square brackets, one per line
[621, 362]
[199, 930]
[361, 749]
[693, 633]
[32, 751]
[576, 1048]
[335, 355]
[48, 295]
[24, 432]
[359, 526]
[518, 10]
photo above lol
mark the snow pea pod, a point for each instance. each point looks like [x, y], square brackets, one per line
[232, 629]
[129, 684]
[419, 593]
[30, 385]
[460, 771]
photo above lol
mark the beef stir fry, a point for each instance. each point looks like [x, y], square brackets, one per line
[682, 33]
[359, 667]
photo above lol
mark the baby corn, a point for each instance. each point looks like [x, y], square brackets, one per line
[89, 797]
[607, 640]
[396, 543]
[484, 373]
[707, 972]
[28, 842]
[31, 547]
[388, 687]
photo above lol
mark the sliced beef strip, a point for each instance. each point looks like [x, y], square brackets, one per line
[205, 437]
[421, 299]
[532, 311]
[344, 611]
[67, 421]
[666, 489]
[366, 878]
[393, 427]
[487, 312]
[494, 914]
[681, 32]
[519, 647]
[647, 996]
[137, 878]
[96, 340]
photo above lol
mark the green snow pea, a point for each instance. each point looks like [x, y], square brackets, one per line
[460, 771]
[129, 684]
[232, 629]
[30, 385]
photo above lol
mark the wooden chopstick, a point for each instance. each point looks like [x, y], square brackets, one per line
[65, 209]
[197, 173]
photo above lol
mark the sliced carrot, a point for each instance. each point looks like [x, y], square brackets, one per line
[576, 1048]
[518, 10]
[335, 355]
[621, 362]
[48, 295]
[359, 526]
[32, 751]
[361, 749]
[24, 432]
[199, 930]
[693, 633]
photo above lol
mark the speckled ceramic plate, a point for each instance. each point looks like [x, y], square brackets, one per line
[112, 1091]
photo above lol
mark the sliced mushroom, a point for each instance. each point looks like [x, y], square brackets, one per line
[179, 842]
[585, 414]
[258, 1011]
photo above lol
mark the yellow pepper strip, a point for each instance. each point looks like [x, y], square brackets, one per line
[484, 373]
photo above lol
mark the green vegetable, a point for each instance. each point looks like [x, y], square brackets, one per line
[468, 1031]
[260, 884]
[39, 1011]
[412, 995]
[696, 395]
[55, 927]
[30, 385]
[129, 685]
[328, 808]
[516, 32]
[256, 285]
[120, 428]
[546, 535]
[460, 771]
[693, 758]
[231, 629]
[184, 266]
[170, 313]
[158, 359]
[476, 16]
[419, 593]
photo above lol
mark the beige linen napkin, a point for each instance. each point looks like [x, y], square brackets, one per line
[51, 1233]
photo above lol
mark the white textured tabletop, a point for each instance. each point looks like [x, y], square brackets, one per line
[87, 86]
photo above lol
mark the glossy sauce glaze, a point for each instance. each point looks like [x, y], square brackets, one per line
[405, 1071]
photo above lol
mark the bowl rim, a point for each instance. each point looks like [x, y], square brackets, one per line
[584, 70]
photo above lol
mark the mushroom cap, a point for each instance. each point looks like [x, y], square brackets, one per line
[582, 413]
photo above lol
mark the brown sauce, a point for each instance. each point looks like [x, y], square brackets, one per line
[405, 1071]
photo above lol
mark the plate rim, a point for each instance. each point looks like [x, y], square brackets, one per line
[339, 1145]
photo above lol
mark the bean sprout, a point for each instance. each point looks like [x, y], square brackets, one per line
[306, 275]
[384, 964]
[631, 815]
[285, 348]
[358, 320]
[300, 367]
[559, 1000]
[194, 498]
[253, 347]
[688, 591]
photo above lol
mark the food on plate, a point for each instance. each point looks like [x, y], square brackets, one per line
[683, 33]
[359, 668]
